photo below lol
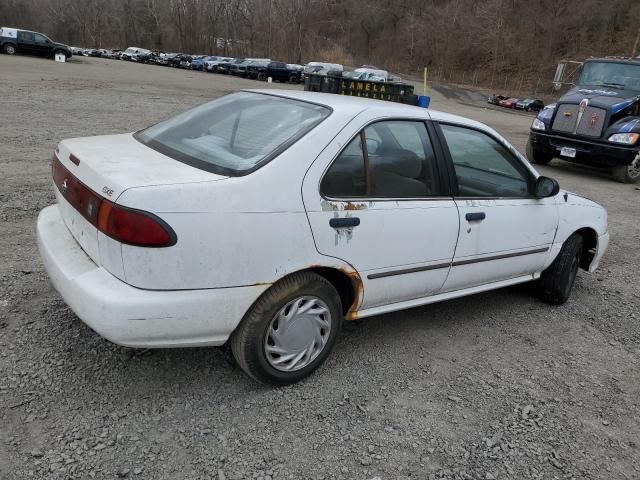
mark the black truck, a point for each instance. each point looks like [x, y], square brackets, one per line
[14, 40]
[597, 122]
[278, 71]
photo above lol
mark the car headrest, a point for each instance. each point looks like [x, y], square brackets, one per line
[401, 162]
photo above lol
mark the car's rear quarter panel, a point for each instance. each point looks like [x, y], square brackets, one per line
[240, 231]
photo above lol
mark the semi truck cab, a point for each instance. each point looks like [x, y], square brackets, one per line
[597, 122]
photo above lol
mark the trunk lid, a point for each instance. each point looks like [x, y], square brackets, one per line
[107, 166]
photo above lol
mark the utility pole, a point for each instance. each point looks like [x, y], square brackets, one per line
[635, 45]
[269, 40]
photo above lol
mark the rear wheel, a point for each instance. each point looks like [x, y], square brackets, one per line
[290, 330]
[628, 173]
[293, 79]
[556, 282]
[261, 76]
[9, 49]
[536, 156]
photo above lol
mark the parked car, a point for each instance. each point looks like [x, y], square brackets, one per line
[14, 40]
[322, 68]
[226, 67]
[530, 105]
[240, 69]
[257, 69]
[160, 58]
[496, 99]
[212, 65]
[255, 220]
[277, 71]
[199, 62]
[132, 53]
[112, 53]
[509, 102]
[185, 62]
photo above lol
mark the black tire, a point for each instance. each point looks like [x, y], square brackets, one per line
[9, 48]
[261, 77]
[248, 340]
[536, 156]
[626, 173]
[556, 282]
[293, 79]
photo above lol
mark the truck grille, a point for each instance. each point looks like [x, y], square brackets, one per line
[566, 118]
[591, 123]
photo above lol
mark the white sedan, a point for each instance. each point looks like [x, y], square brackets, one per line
[266, 218]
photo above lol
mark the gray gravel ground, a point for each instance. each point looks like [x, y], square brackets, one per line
[499, 385]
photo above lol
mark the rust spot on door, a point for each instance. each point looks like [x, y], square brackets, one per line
[355, 206]
[358, 290]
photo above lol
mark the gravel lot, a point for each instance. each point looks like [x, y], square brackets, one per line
[499, 385]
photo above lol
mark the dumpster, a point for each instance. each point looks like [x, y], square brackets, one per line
[390, 91]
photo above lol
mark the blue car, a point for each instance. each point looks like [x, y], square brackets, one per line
[198, 63]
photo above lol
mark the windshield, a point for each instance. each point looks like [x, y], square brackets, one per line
[621, 76]
[235, 134]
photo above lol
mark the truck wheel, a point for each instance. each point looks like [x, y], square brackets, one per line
[261, 76]
[628, 173]
[556, 282]
[293, 79]
[538, 157]
[289, 331]
[9, 49]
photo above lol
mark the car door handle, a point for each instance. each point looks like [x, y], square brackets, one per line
[345, 222]
[475, 216]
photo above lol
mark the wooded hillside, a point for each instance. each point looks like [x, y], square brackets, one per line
[503, 44]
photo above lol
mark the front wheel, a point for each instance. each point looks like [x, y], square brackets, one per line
[628, 173]
[289, 331]
[536, 156]
[9, 49]
[556, 282]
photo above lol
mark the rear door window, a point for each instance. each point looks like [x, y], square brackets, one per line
[388, 159]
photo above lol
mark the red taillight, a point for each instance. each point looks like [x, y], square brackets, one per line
[134, 227]
[126, 225]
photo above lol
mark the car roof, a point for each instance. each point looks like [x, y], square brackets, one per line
[355, 105]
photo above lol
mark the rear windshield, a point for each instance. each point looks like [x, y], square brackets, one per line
[235, 134]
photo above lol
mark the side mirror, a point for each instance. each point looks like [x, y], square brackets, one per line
[546, 187]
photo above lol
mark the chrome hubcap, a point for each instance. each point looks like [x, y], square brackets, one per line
[634, 168]
[297, 334]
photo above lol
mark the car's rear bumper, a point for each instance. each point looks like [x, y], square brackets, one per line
[587, 152]
[131, 316]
